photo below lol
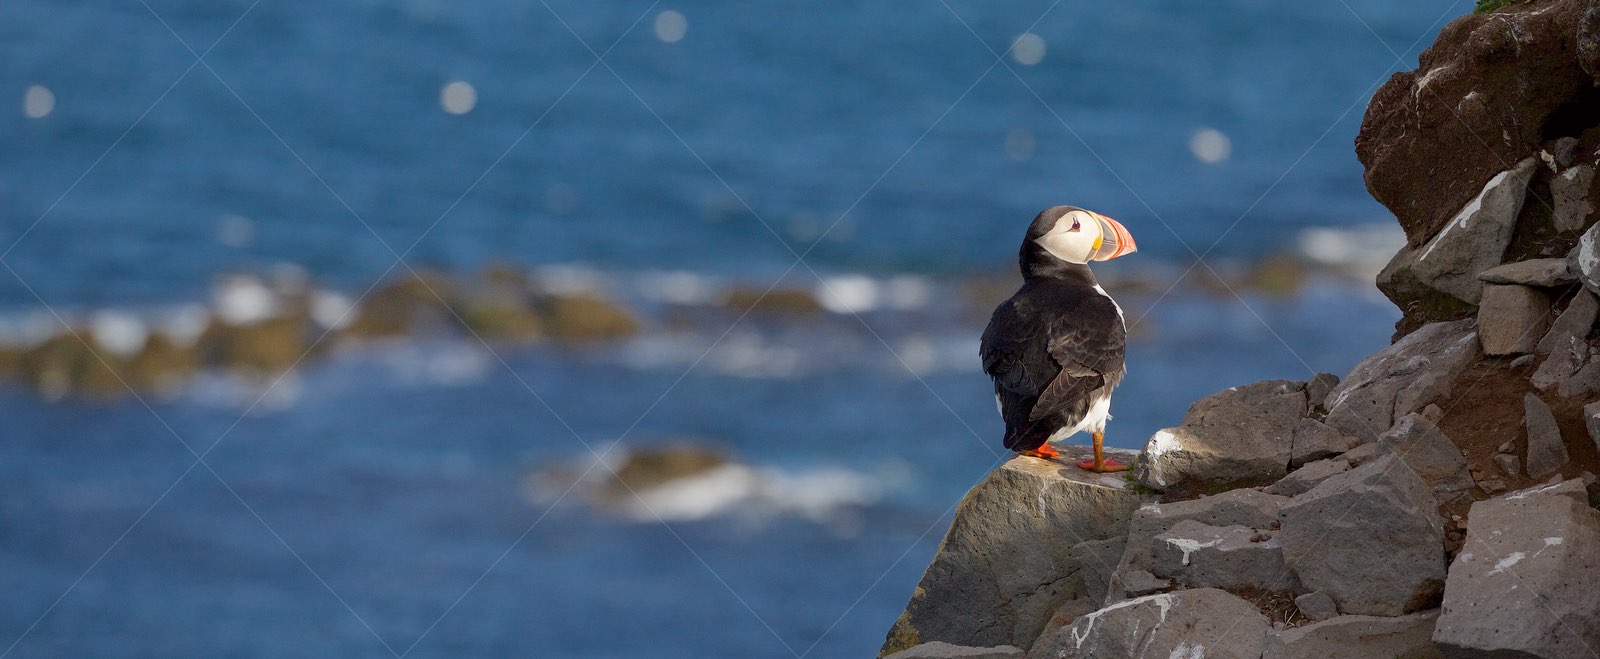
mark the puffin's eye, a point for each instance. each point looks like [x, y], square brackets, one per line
[1075, 225]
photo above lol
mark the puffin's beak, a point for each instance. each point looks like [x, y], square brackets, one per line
[1115, 240]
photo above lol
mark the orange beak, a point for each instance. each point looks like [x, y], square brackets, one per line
[1115, 240]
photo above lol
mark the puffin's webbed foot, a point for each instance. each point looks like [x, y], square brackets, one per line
[1099, 463]
[1044, 452]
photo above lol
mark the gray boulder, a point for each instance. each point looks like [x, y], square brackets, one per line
[1203, 556]
[1357, 637]
[1586, 259]
[1402, 378]
[1545, 273]
[1569, 191]
[1524, 582]
[1476, 239]
[1546, 452]
[1370, 538]
[1307, 477]
[1574, 322]
[942, 650]
[1317, 389]
[1316, 606]
[1243, 507]
[1562, 370]
[1427, 451]
[1240, 435]
[1015, 553]
[1512, 319]
[1591, 421]
[1314, 440]
[1186, 624]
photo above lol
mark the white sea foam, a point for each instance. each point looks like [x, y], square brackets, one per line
[332, 310]
[119, 333]
[739, 489]
[848, 294]
[244, 300]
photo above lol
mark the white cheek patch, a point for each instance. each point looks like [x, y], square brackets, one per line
[1072, 246]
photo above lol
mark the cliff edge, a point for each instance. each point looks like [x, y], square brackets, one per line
[1437, 501]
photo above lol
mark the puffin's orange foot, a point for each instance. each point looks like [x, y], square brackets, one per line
[1106, 466]
[1044, 452]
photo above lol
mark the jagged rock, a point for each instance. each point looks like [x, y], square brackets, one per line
[1510, 465]
[1586, 258]
[1591, 421]
[942, 650]
[1138, 583]
[1472, 242]
[1483, 95]
[1524, 361]
[1565, 361]
[1544, 273]
[1569, 191]
[1402, 378]
[1492, 486]
[1316, 606]
[1523, 584]
[1317, 389]
[1239, 435]
[1585, 381]
[1575, 322]
[1511, 319]
[1008, 562]
[1370, 538]
[1243, 507]
[1428, 452]
[1361, 455]
[1307, 477]
[1204, 622]
[1313, 440]
[1546, 452]
[1357, 637]
[1203, 556]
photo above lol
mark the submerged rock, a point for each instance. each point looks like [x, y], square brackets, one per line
[1524, 582]
[1204, 622]
[1008, 562]
[581, 317]
[1370, 538]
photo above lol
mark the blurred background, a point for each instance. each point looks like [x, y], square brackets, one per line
[574, 329]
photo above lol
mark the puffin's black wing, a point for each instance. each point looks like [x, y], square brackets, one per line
[1047, 364]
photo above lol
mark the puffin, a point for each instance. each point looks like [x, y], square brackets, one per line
[1055, 349]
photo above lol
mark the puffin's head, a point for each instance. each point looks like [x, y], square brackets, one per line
[1075, 235]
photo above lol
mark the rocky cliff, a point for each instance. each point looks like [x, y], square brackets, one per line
[1438, 500]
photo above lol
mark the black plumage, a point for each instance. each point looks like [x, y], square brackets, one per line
[1055, 349]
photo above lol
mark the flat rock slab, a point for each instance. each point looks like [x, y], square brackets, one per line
[1545, 273]
[1012, 558]
[1402, 378]
[1546, 452]
[1370, 538]
[942, 650]
[1307, 477]
[1186, 624]
[1524, 582]
[1357, 637]
[1239, 435]
[1512, 319]
[1314, 440]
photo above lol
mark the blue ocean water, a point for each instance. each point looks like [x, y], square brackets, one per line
[375, 502]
